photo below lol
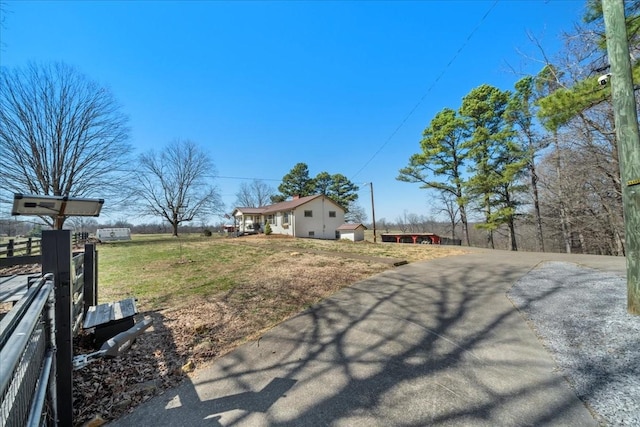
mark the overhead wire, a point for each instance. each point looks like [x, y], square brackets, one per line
[429, 89]
[246, 178]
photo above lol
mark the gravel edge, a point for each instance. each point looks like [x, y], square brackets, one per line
[580, 315]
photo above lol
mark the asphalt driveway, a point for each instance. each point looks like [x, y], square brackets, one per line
[429, 343]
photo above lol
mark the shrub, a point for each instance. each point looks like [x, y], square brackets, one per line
[206, 232]
[267, 229]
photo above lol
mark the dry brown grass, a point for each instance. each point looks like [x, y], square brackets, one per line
[273, 291]
[408, 252]
[294, 275]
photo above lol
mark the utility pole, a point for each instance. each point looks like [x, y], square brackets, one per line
[628, 138]
[373, 212]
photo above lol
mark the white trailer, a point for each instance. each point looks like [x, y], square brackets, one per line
[113, 234]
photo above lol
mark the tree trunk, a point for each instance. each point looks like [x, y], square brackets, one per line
[536, 207]
[583, 243]
[620, 244]
[512, 234]
[58, 222]
[490, 243]
[463, 213]
[616, 232]
[465, 225]
[566, 235]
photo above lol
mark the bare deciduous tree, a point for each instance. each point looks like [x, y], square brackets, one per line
[355, 213]
[401, 222]
[254, 194]
[176, 184]
[61, 134]
[450, 208]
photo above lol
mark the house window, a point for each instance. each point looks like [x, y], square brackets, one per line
[285, 217]
[271, 219]
[312, 233]
[308, 214]
[332, 214]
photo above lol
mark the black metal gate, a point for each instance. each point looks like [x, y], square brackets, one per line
[27, 347]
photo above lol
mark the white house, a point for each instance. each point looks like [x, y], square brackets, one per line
[311, 216]
[353, 232]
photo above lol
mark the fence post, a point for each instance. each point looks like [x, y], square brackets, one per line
[29, 246]
[96, 268]
[56, 259]
[10, 248]
[90, 265]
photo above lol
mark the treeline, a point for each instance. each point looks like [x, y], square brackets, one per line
[525, 235]
[406, 223]
[536, 166]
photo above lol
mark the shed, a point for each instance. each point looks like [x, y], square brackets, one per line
[353, 232]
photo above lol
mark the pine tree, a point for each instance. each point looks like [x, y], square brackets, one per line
[297, 182]
[440, 164]
[498, 160]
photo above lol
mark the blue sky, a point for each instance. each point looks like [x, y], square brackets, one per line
[345, 87]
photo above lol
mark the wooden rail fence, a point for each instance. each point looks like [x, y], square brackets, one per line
[28, 250]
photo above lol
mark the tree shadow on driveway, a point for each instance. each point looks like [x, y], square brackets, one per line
[432, 343]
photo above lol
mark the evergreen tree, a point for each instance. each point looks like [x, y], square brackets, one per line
[572, 98]
[297, 182]
[342, 191]
[440, 164]
[497, 159]
[521, 112]
[323, 181]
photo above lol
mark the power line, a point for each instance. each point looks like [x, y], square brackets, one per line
[246, 178]
[444, 70]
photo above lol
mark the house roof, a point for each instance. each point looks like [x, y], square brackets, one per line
[290, 204]
[351, 227]
[282, 206]
[247, 210]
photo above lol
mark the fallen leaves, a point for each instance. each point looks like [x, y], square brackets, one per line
[108, 388]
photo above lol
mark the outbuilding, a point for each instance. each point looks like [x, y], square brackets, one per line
[353, 232]
[113, 234]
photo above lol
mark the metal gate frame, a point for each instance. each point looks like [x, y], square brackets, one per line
[27, 372]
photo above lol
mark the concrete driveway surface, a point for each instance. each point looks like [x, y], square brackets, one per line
[434, 343]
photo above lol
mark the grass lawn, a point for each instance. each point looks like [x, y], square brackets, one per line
[213, 293]
[164, 271]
